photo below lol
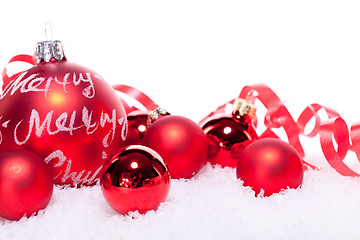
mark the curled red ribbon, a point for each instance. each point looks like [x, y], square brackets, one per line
[137, 95]
[18, 58]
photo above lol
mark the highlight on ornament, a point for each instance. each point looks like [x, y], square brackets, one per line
[135, 179]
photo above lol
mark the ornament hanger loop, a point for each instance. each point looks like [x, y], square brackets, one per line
[250, 97]
[48, 31]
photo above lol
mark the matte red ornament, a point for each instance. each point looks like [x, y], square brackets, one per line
[26, 184]
[135, 179]
[228, 134]
[181, 142]
[270, 164]
[68, 115]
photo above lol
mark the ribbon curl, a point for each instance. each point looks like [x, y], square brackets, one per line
[18, 58]
[137, 95]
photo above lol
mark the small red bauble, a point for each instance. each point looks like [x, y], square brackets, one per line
[67, 114]
[270, 164]
[229, 134]
[26, 184]
[135, 179]
[137, 126]
[181, 143]
[138, 122]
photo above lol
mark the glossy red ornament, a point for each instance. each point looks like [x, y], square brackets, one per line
[228, 134]
[135, 179]
[181, 142]
[68, 115]
[137, 126]
[26, 184]
[139, 122]
[270, 164]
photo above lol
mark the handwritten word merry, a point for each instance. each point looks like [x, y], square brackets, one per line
[35, 83]
[66, 123]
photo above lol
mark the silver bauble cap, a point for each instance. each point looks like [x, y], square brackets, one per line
[47, 50]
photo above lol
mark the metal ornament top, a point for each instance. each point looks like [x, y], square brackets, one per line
[156, 114]
[47, 50]
[243, 107]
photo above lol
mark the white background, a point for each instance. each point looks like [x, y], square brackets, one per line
[190, 56]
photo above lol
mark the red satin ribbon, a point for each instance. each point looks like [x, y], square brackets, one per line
[18, 58]
[137, 95]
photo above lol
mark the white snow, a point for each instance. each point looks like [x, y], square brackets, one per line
[212, 205]
[191, 56]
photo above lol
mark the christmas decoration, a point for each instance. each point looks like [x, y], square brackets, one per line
[64, 112]
[229, 134]
[181, 143]
[139, 122]
[26, 184]
[135, 179]
[270, 165]
[137, 126]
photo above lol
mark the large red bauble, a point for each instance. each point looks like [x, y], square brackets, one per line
[68, 115]
[181, 143]
[227, 137]
[26, 184]
[270, 164]
[135, 179]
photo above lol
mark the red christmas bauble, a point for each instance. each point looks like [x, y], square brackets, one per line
[135, 179]
[227, 137]
[270, 164]
[26, 184]
[138, 122]
[137, 126]
[181, 143]
[68, 115]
